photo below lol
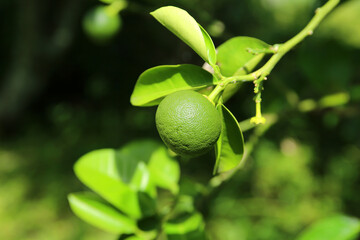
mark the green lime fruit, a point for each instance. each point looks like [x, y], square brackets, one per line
[188, 123]
[100, 25]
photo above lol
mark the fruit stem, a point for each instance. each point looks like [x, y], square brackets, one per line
[216, 92]
[217, 72]
[115, 7]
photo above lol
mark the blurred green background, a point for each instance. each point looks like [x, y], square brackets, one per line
[63, 94]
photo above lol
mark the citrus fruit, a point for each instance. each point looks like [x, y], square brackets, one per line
[188, 123]
[100, 25]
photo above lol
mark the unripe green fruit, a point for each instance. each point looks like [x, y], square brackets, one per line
[100, 25]
[188, 123]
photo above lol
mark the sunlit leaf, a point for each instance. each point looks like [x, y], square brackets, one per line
[234, 55]
[91, 210]
[343, 23]
[185, 27]
[155, 83]
[229, 149]
[187, 226]
[164, 170]
[333, 228]
[141, 178]
[235, 59]
[119, 176]
[130, 156]
[210, 48]
[183, 224]
[142, 182]
[98, 170]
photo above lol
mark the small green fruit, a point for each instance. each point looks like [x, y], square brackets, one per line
[100, 25]
[188, 123]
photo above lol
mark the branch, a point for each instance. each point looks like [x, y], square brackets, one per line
[259, 76]
[281, 49]
[264, 71]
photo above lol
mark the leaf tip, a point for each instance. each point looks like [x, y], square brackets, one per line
[164, 8]
[70, 196]
[133, 100]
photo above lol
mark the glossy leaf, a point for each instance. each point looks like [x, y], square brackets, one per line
[233, 55]
[133, 167]
[210, 48]
[119, 176]
[98, 171]
[185, 27]
[155, 83]
[333, 228]
[164, 170]
[141, 178]
[229, 149]
[88, 208]
[130, 155]
[183, 224]
[343, 23]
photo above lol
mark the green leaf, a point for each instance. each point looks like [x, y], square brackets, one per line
[107, 1]
[184, 205]
[155, 83]
[210, 48]
[133, 158]
[229, 149]
[119, 176]
[165, 171]
[189, 226]
[98, 171]
[134, 238]
[147, 204]
[343, 24]
[194, 235]
[183, 224]
[141, 178]
[185, 27]
[88, 208]
[233, 55]
[150, 224]
[333, 228]
[234, 59]
[130, 155]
